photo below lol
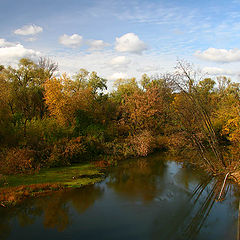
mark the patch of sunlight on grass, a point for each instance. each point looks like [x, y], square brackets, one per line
[82, 182]
[64, 175]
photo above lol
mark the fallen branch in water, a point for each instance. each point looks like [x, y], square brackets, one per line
[223, 185]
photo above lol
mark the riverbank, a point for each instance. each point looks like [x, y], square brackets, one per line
[150, 196]
[16, 188]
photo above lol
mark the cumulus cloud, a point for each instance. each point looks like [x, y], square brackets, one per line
[120, 62]
[131, 43]
[74, 40]
[218, 71]
[4, 43]
[117, 75]
[28, 30]
[12, 52]
[97, 44]
[102, 62]
[219, 55]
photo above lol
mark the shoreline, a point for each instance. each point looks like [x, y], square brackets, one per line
[69, 177]
[20, 187]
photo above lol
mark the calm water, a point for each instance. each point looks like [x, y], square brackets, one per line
[149, 198]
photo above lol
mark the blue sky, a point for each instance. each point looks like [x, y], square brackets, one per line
[123, 38]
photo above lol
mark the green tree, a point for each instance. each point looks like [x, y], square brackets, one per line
[26, 89]
[84, 79]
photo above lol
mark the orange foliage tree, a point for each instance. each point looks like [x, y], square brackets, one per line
[143, 110]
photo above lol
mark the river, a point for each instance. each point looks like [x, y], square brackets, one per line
[146, 198]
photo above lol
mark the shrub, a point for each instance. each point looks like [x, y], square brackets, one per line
[66, 151]
[57, 158]
[142, 143]
[94, 145]
[161, 142]
[75, 149]
[42, 132]
[119, 149]
[17, 161]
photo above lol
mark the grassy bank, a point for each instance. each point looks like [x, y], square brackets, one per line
[15, 188]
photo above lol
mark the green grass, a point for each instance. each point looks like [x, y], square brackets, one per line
[62, 175]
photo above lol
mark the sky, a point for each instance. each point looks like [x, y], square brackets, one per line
[123, 38]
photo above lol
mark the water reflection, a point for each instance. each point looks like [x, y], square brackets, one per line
[147, 198]
[190, 215]
[141, 179]
[204, 197]
[54, 209]
[149, 180]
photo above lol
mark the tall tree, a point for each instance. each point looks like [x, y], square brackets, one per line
[194, 93]
[26, 86]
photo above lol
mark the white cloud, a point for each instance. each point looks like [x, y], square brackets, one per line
[218, 71]
[117, 75]
[74, 40]
[148, 68]
[100, 61]
[120, 62]
[28, 30]
[219, 55]
[12, 52]
[130, 42]
[32, 39]
[4, 43]
[97, 44]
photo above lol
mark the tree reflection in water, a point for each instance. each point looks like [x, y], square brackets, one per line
[148, 196]
[191, 215]
[203, 209]
[146, 180]
[54, 209]
[141, 179]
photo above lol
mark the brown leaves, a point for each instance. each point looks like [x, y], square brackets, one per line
[18, 161]
[143, 143]
[142, 110]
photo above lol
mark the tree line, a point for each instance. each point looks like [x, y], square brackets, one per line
[49, 120]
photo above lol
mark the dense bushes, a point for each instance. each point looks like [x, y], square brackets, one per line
[64, 152]
[15, 160]
[48, 121]
[142, 143]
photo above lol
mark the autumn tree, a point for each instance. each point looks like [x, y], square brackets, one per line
[124, 87]
[143, 111]
[227, 115]
[78, 102]
[194, 112]
[84, 79]
[26, 90]
[6, 118]
[63, 98]
[46, 68]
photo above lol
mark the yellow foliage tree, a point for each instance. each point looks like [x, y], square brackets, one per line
[64, 97]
